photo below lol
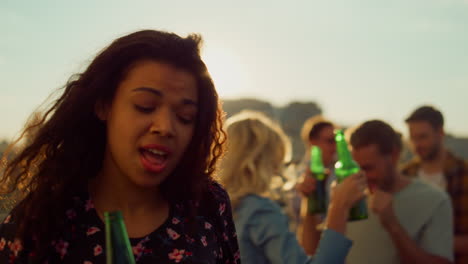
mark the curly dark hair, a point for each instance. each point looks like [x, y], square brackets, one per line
[65, 146]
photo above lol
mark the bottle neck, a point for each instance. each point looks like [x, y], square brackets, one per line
[345, 165]
[343, 152]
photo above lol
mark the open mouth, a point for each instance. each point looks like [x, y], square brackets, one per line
[153, 160]
[154, 156]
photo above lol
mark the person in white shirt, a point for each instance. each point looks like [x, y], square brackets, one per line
[409, 220]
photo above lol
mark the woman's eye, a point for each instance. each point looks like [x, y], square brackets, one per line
[185, 120]
[144, 109]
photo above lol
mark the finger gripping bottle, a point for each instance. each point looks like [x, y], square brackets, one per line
[344, 167]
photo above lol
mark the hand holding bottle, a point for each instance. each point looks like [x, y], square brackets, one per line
[344, 196]
[344, 167]
[307, 184]
[347, 193]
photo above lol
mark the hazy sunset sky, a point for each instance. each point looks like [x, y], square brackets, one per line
[358, 59]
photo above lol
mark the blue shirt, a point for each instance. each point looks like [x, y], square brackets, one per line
[264, 236]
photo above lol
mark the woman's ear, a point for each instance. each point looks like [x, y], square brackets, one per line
[101, 110]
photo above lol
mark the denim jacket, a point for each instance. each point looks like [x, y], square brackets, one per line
[264, 237]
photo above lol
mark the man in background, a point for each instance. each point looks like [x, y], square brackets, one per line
[316, 131]
[436, 165]
[409, 221]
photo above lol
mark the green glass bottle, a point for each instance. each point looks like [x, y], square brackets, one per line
[118, 248]
[316, 203]
[344, 167]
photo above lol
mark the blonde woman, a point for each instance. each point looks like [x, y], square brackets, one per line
[257, 148]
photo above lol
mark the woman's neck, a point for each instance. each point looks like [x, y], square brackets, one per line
[111, 194]
[143, 210]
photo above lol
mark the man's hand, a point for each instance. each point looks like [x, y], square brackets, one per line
[343, 196]
[381, 203]
[307, 184]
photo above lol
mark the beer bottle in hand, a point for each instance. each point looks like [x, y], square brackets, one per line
[344, 167]
[118, 248]
[316, 203]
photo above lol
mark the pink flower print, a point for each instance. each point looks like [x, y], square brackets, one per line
[177, 255]
[203, 240]
[92, 230]
[225, 237]
[87, 262]
[138, 250]
[173, 234]
[7, 219]
[97, 250]
[225, 223]
[175, 221]
[220, 253]
[222, 208]
[2, 244]
[15, 247]
[89, 205]
[207, 225]
[237, 255]
[189, 239]
[71, 214]
[61, 248]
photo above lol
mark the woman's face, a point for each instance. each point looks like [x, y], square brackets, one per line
[150, 122]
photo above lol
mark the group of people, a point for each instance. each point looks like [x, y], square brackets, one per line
[416, 209]
[142, 131]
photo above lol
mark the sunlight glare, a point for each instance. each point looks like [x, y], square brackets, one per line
[226, 69]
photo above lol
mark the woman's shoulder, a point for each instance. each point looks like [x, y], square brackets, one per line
[8, 224]
[216, 191]
[258, 202]
[7, 228]
[255, 208]
[10, 246]
[217, 195]
[215, 200]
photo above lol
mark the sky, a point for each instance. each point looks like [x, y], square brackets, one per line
[359, 60]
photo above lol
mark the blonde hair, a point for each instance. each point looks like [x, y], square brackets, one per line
[257, 148]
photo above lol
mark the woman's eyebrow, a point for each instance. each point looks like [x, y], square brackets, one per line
[148, 89]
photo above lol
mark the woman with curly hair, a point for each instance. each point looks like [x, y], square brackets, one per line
[140, 131]
[257, 148]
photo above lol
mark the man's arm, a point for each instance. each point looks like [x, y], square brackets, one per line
[437, 236]
[408, 250]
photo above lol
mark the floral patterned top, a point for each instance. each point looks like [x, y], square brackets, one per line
[84, 240]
